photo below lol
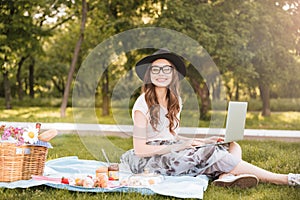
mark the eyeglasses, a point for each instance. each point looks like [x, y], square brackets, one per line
[167, 69]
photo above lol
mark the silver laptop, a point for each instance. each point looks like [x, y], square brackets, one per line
[235, 123]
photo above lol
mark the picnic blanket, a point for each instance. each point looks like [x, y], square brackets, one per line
[176, 186]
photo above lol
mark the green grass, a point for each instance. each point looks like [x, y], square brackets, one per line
[280, 157]
[278, 120]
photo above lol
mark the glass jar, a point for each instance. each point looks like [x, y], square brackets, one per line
[113, 172]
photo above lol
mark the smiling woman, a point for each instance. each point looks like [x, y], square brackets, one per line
[157, 146]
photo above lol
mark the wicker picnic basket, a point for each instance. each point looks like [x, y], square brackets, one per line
[20, 162]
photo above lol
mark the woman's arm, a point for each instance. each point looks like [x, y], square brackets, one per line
[139, 139]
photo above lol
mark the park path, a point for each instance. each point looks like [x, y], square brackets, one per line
[126, 130]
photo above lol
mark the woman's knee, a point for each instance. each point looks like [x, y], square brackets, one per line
[236, 146]
[235, 149]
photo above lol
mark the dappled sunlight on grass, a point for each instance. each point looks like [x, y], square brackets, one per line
[290, 117]
[35, 114]
[277, 120]
[20, 111]
[47, 114]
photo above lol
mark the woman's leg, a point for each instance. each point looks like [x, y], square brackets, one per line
[236, 150]
[246, 168]
[263, 175]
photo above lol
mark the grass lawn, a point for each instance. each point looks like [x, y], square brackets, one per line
[280, 157]
[278, 120]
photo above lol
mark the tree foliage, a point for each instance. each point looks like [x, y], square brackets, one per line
[254, 44]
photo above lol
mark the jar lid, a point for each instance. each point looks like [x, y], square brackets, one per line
[113, 167]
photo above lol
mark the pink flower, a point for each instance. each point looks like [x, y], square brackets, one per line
[17, 134]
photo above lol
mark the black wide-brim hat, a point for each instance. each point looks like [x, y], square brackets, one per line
[142, 65]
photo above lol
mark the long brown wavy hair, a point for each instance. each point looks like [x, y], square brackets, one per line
[172, 98]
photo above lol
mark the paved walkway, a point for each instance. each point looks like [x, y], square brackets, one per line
[126, 130]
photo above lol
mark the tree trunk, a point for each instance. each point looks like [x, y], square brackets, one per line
[59, 85]
[204, 95]
[74, 60]
[265, 97]
[237, 91]
[252, 92]
[228, 91]
[19, 81]
[105, 95]
[31, 78]
[217, 89]
[203, 92]
[7, 90]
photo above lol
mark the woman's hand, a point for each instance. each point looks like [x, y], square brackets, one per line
[213, 139]
[209, 140]
[198, 142]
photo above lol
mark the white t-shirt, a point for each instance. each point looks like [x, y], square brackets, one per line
[162, 132]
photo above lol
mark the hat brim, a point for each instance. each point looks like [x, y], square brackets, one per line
[143, 64]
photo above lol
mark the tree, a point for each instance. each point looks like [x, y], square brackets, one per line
[17, 30]
[74, 59]
[273, 38]
[107, 19]
[184, 16]
[23, 25]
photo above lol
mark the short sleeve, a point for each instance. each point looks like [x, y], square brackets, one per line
[140, 105]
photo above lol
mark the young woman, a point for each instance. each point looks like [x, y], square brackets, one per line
[158, 148]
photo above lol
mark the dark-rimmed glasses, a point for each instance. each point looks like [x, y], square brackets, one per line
[167, 69]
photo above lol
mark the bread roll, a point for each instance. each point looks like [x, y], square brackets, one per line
[46, 136]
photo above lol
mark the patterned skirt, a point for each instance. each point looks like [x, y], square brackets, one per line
[211, 161]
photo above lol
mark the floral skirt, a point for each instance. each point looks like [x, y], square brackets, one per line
[211, 161]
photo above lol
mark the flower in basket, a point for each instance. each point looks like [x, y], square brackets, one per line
[19, 135]
[30, 135]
